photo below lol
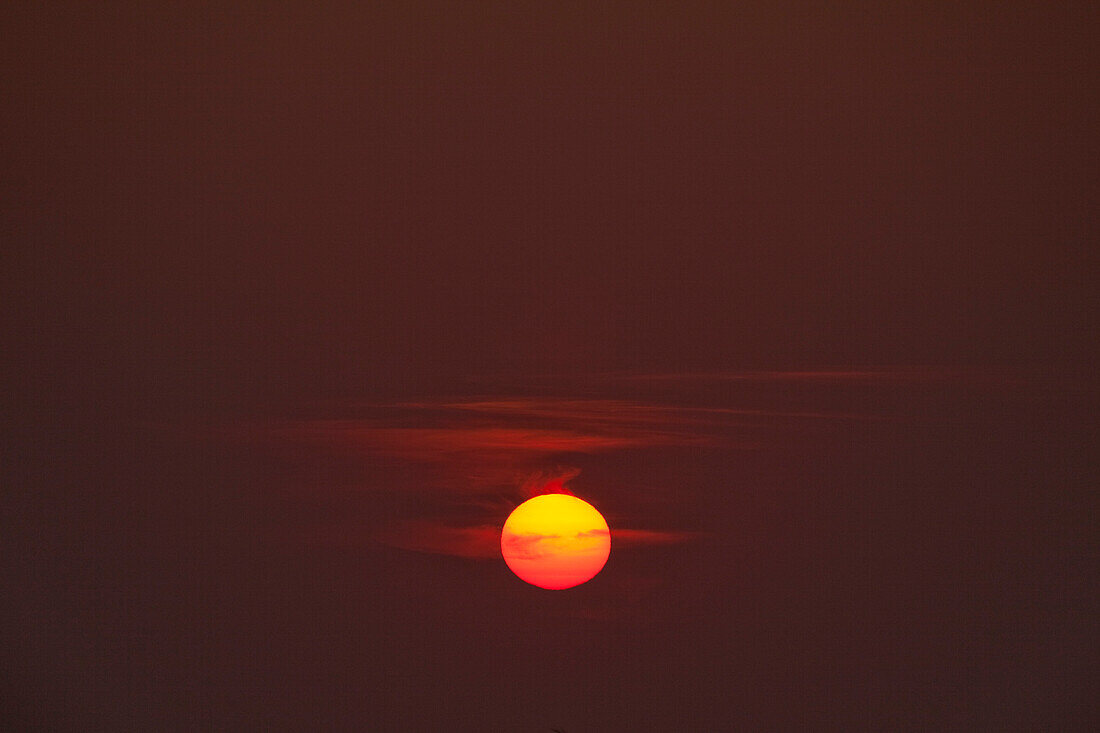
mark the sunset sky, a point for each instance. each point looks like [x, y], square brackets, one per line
[302, 300]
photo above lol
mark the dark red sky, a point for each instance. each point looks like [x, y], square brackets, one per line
[299, 301]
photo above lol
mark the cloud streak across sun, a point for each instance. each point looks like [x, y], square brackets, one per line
[483, 541]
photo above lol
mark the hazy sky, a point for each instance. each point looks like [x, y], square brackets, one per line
[300, 300]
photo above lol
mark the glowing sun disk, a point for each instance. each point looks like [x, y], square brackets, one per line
[555, 541]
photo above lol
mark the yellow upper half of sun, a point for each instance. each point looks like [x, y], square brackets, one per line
[558, 516]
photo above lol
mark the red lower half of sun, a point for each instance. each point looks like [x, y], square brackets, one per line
[555, 541]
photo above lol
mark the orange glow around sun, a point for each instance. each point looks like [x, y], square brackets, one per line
[555, 541]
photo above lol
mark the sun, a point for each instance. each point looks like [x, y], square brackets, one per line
[555, 541]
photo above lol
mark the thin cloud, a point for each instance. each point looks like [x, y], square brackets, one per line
[441, 444]
[472, 459]
[676, 421]
[479, 457]
[477, 444]
[476, 543]
[526, 546]
[869, 375]
[646, 537]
